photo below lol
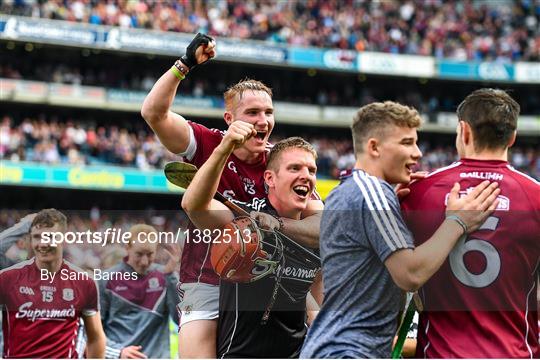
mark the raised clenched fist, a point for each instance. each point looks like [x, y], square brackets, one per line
[201, 49]
[238, 133]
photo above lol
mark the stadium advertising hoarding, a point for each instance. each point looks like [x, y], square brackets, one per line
[135, 40]
[24, 91]
[476, 70]
[100, 177]
[108, 178]
[137, 97]
[364, 62]
[53, 32]
[392, 64]
[168, 43]
[323, 58]
[86, 96]
[527, 72]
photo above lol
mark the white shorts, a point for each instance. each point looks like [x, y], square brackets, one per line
[198, 301]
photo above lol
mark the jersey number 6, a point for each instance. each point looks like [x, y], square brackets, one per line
[493, 259]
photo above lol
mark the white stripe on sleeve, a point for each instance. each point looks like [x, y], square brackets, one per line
[375, 213]
[390, 213]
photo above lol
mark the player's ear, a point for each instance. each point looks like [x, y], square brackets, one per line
[372, 147]
[227, 116]
[512, 139]
[466, 132]
[269, 178]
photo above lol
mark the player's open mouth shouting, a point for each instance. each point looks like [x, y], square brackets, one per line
[302, 190]
[261, 135]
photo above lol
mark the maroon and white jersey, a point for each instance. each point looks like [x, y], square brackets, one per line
[239, 181]
[41, 317]
[482, 301]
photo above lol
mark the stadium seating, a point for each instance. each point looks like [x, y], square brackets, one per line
[462, 30]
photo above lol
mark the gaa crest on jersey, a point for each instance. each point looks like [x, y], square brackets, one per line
[153, 283]
[503, 205]
[26, 290]
[68, 295]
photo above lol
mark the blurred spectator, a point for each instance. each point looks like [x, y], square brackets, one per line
[73, 143]
[462, 30]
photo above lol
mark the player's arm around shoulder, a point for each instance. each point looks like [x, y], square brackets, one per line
[307, 230]
[411, 268]
[96, 336]
[172, 129]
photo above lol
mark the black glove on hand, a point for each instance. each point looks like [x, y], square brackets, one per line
[189, 58]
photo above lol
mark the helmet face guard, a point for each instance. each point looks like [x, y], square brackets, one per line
[238, 255]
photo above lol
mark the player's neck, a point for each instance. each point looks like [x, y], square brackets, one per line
[486, 154]
[247, 156]
[50, 266]
[283, 210]
[369, 167]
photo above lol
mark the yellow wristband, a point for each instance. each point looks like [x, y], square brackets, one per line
[177, 73]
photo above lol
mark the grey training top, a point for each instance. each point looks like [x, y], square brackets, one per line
[137, 311]
[361, 226]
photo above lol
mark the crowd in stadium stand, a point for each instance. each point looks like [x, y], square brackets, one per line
[462, 29]
[54, 142]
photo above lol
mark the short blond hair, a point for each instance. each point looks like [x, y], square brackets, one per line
[140, 229]
[373, 119]
[294, 142]
[48, 218]
[234, 93]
